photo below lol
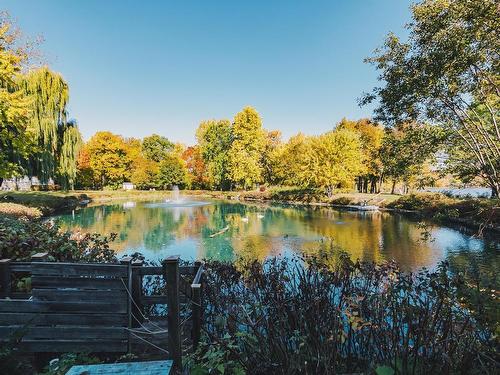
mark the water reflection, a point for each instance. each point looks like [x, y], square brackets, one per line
[158, 230]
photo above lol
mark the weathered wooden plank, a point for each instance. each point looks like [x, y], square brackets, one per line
[185, 287]
[91, 346]
[152, 270]
[64, 333]
[61, 307]
[136, 368]
[47, 319]
[79, 269]
[79, 295]
[20, 267]
[76, 282]
[20, 295]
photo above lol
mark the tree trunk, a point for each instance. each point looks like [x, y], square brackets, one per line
[393, 189]
[495, 189]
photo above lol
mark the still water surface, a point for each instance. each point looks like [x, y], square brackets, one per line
[187, 228]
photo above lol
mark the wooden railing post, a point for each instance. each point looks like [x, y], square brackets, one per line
[39, 257]
[137, 313]
[171, 274]
[127, 261]
[5, 278]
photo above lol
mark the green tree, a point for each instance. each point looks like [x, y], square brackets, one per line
[447, 73]
[247, 149]
[156, 147]
[70, 143]
[406, 149]
[214, 139]
[173, 171]
[51, 131]
[14, 108]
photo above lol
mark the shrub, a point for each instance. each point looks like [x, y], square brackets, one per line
[298, 194]
[329, 315]
[19, 211]
[342, 201]
[441, 207]
[20, 239]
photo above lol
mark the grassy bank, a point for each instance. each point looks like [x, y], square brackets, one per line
[472, 212]
[47, 202]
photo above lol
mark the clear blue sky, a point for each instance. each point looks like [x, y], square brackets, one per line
[143, 67]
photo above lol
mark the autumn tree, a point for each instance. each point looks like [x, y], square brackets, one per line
[268, 161]
[109, 159]
[247, 148]
[332, 160]
[447, 73]
[215, 139]
[371, 135]
[196, 168]
[286, 160]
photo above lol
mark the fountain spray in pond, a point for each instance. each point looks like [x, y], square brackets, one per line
[177, 201]
[175, 194]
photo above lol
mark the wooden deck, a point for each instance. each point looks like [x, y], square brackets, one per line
[75, 307]
[131, 368]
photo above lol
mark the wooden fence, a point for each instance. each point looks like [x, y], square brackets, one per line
[93, 307]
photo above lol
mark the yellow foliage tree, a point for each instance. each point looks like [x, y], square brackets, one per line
[246, 151]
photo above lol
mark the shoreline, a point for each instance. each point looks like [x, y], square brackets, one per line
[52, 203]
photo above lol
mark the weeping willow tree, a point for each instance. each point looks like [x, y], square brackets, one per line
[58, 141]
[69, 147]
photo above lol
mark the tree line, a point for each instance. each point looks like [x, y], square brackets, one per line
[437, 111]
[242, 154]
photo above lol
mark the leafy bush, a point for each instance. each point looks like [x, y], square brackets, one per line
[20, 239]
[298, 194]
[329, 315]
[19, 211]
[342, 201]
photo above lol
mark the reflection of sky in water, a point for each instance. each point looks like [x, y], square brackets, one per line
[159, 229]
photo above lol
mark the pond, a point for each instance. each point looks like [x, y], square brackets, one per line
[225, 230]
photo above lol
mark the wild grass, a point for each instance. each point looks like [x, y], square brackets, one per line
[329, 315]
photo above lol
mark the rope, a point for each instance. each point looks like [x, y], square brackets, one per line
[139, 309]
[150, 343]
